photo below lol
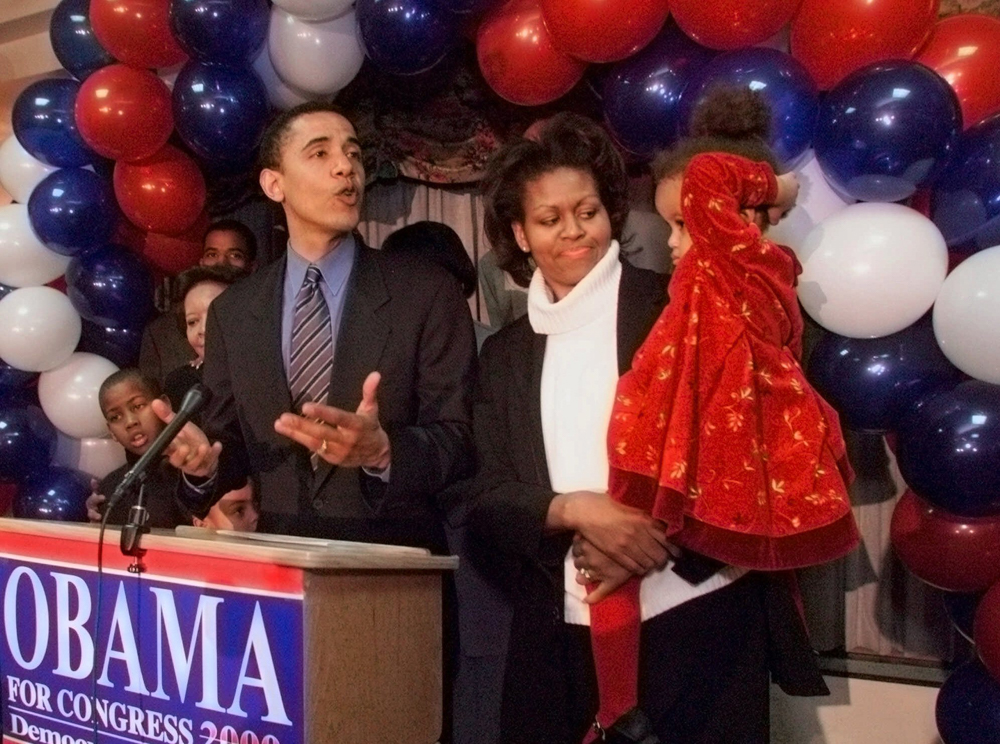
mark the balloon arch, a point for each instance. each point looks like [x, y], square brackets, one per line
[890, 116]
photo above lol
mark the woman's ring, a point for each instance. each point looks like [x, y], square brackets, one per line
[322, 448]
[585, 573]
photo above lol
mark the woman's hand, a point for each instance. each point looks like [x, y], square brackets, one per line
[594, 567]
[628, 536]
[788, 194]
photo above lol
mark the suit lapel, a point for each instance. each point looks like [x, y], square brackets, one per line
[273, 397]
[361, 338]
[640, 300]
[534, 399]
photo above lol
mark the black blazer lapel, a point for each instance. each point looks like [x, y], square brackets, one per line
[641, 298]
[361, 339]
[533, 397]
[269, 379]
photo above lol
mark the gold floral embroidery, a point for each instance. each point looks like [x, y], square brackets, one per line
[734, 421]
[694, 492]
[669, 349]
[739, 247]
[715, 204]
[765, 376]
[663, 374]
[679, 469]
[745, 311]
[777, 486]
[621, 448]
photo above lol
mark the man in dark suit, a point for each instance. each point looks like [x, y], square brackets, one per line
[364, 461]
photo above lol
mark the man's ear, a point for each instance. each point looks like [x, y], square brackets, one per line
[270, 184]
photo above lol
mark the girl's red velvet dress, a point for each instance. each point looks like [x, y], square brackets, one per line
[715, 429]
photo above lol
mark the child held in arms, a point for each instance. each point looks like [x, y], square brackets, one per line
[715, 430]
[125, 399]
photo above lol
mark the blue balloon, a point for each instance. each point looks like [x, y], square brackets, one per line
[405, 37]
[45, 125]
[968, 706]
[220, 112]
[119, 345]
[873, 381]
[887, 130]
[225, 31]
[784, 83]
[57, 493]
[949, 446]
[641, 95]
[73, 211]
[961, 609]
[111, 286]
[27, 441]
[467, 6]
[965, 202]
[73, 39]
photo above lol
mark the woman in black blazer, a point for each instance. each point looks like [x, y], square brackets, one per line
[555, 207]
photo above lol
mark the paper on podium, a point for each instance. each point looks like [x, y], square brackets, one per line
[294, 541]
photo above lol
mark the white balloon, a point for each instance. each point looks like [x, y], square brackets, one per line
[871, 269]
[39, 328]
[967, 316]
[95, 456]
[282, 96]
[20, 172]
[68, 394]
[815, 203]
[24, 260]
[316, 58]
[315, 10]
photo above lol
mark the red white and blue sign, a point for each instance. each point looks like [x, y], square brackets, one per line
[194, 650]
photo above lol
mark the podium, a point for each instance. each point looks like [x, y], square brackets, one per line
[239, 640]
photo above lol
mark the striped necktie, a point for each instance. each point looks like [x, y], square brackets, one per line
[311, 351]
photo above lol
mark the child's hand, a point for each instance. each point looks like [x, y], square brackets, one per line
[788, 194]
[94, 502]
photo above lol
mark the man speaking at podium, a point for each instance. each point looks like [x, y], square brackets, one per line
[339, 376]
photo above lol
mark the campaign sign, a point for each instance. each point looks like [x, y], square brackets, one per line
[199, 652]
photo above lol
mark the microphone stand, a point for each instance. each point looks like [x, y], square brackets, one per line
[136, 526]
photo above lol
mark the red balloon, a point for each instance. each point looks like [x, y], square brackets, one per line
[136, 32]
[164, 193]
[732, 24]
[518, 59]
[601, 31]
[965, 51]
[986, 631]
[833, 39]
[124, 113]
[172, 254]
[957, 554]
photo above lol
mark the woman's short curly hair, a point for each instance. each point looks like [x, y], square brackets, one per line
[731, 120]
[566, 140]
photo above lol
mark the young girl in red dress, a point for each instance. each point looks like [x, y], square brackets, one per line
[715, 431]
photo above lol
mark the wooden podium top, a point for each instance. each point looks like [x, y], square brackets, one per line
[296, 552]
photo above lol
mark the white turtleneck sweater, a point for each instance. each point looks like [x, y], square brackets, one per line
[579, 377]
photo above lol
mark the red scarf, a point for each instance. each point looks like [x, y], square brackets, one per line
[715, 430]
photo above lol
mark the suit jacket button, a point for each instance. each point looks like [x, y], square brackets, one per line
[317, 503]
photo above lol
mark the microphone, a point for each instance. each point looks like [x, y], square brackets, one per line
[193, 401]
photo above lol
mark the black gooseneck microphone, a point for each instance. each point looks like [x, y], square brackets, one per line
[133, 530]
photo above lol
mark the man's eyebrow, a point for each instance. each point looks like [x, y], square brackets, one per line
[354, 141]
[315, 141]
